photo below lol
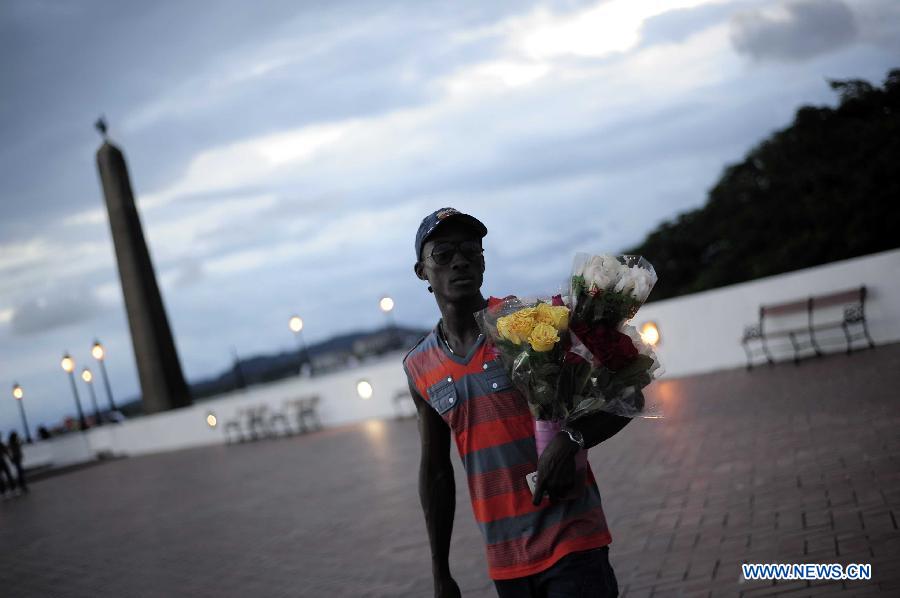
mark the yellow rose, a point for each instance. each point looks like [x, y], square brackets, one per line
[516, 326]
[543, 337]
[503, 328]
[555, 315]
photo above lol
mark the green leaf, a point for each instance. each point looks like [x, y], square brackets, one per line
[638, 366]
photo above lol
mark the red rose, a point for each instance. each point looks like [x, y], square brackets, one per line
[573, 358]
[611, 348]
[556, 301]
[495, 303]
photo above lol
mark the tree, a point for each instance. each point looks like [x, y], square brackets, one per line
[825, 188]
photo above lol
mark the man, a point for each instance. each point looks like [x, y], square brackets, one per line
[536, 545]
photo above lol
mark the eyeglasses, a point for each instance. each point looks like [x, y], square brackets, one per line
[442, 253]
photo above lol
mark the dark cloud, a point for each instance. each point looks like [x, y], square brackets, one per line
[879, 22]
[802, 29]
[56, 308]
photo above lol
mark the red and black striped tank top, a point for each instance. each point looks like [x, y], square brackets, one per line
[494, 433]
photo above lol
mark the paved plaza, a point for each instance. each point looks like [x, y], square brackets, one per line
[781, 464]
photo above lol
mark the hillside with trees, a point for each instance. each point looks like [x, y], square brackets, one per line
[826, 188]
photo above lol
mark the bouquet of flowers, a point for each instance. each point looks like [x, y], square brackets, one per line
[533, 341]
[606, 292]
[574, 356]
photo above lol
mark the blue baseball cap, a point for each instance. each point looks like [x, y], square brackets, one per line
[431, 223]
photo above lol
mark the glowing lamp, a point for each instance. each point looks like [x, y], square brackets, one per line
[650, 333]
[364, 389]
[296, 323]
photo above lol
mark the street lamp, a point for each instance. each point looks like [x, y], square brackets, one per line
[99, 354]
[18, 395]
[68, 365]
[386, 304]
[364, 390]
[88, 378]
[296, 326]
[650, 333]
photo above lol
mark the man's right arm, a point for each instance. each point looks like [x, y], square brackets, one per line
[437, 492]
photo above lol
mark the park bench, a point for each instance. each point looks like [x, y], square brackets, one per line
[249, 424]
[307, 410]
[233, 429]
[800, 321]
[257, 422]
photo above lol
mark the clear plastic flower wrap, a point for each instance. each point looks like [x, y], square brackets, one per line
[606, 291]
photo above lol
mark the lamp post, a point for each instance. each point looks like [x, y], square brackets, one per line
[68, 365]
[386, 304]
[88, 378]
[296, 326]
[18, 395]
[99, 354]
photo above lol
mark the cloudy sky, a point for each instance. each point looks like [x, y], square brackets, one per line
[283, 153]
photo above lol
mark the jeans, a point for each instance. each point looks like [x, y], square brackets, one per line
[585, 574]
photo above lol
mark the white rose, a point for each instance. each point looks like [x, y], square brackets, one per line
[636, 282]
[603, 271]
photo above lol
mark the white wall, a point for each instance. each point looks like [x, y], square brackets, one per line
[187, 427]
[699, 333]
[702, 332]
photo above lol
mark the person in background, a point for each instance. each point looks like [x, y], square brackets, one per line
[15, 455]
[5, 475]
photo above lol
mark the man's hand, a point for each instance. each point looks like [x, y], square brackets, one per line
[446, 587]
[556, 469]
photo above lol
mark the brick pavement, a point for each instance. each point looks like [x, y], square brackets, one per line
[783, 464]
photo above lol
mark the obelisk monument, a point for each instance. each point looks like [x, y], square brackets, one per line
[162, 381]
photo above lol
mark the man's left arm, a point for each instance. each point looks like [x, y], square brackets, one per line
[599, 427]
[556, 466]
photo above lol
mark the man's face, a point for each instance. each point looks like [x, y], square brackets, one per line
[462, 276]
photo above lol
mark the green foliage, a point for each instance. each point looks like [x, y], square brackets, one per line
[609, 309]
[537, 375]
[826, 188]
[633, 373]
[578, 285]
